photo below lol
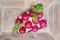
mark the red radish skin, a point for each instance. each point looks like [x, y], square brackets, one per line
[35, 22]
[22, 30]
[28, 24]
[35, 28]
[18, 21]
[40, 14]
[31, 13]
[25, 16]
[43, 23]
